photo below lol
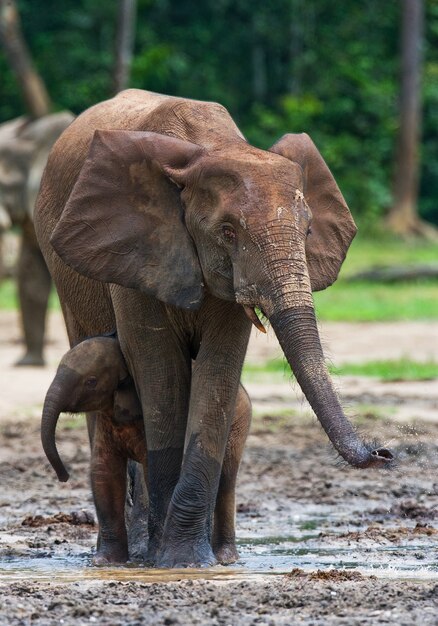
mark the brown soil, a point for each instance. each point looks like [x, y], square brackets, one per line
[320, 543]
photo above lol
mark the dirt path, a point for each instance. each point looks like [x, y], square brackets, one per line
[320, 543]
[23, 388]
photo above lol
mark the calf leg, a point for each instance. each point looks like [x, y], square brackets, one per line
[224, 533]
[108, 482]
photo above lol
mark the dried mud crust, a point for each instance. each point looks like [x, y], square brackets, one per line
[287, 467]
[285, 601]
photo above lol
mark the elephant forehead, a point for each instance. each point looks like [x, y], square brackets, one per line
[253, 167]
[246, 187]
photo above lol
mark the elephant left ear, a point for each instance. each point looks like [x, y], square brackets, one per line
[124, 220]
[333, 227]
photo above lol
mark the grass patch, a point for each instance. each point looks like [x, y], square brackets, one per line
[365, 253]
[401, 369]
[377, 302]
[391, 370]
[370, 301]
[8, 295]
[366, 413]
[68, 421]
[273, 366]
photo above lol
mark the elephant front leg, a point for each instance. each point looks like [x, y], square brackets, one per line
[187, 536]
[164, 393]
[160, 364]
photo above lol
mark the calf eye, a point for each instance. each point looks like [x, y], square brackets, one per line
[228, 233]
[91, 382]
[309, 231]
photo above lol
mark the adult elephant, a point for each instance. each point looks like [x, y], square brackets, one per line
[24, 147]
[157, 217]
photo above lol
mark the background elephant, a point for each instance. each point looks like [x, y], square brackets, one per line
[93, 376]
[156, 217]
[24, 147]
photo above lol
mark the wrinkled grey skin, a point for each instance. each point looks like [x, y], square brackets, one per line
[156, 217]
[93, 376]
[24, 148]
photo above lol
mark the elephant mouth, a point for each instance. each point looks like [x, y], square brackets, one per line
[251, 314]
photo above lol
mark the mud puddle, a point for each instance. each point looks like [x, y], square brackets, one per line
[399, 563]
[259, 558]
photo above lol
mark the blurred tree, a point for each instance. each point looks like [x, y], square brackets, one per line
[24, 147]
[32, 86]
[124, 43]
[327, 68]
[403, 218]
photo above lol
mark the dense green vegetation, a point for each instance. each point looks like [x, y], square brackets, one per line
[327, 68]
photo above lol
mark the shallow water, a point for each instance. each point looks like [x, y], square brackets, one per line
[259, 558]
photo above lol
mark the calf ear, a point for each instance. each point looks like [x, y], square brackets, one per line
[124, 222]
[333, 227]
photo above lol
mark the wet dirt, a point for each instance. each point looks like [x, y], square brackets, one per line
[320, 543]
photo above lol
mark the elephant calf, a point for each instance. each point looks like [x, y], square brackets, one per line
[93, 376]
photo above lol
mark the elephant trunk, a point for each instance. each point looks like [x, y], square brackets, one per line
[297, 332]
[51, 410]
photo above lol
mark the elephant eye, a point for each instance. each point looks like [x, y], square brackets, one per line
[309, 231]
[228, 233]
[91, 382]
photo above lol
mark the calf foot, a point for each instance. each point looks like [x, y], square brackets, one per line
[110, 555]
[226, 553]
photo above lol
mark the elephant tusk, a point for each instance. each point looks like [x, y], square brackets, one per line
[252, 315]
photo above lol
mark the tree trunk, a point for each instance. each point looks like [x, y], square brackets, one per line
[403, 217]
[34, 92]
[124, 44]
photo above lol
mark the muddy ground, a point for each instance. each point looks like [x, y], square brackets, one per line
[320, 543]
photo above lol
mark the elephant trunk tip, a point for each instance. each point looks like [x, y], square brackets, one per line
[373, 457]
[382, 457]
[63, 475]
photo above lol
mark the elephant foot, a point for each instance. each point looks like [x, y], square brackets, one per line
[106, 556]
[186, 555]
[30, 359]
[152, 553]
[140, 554]
[226, 553]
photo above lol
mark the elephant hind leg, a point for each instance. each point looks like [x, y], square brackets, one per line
[34, 284]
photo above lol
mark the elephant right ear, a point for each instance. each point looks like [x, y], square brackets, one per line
[124, 223]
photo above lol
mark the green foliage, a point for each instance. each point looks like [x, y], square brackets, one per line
[329, 69]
